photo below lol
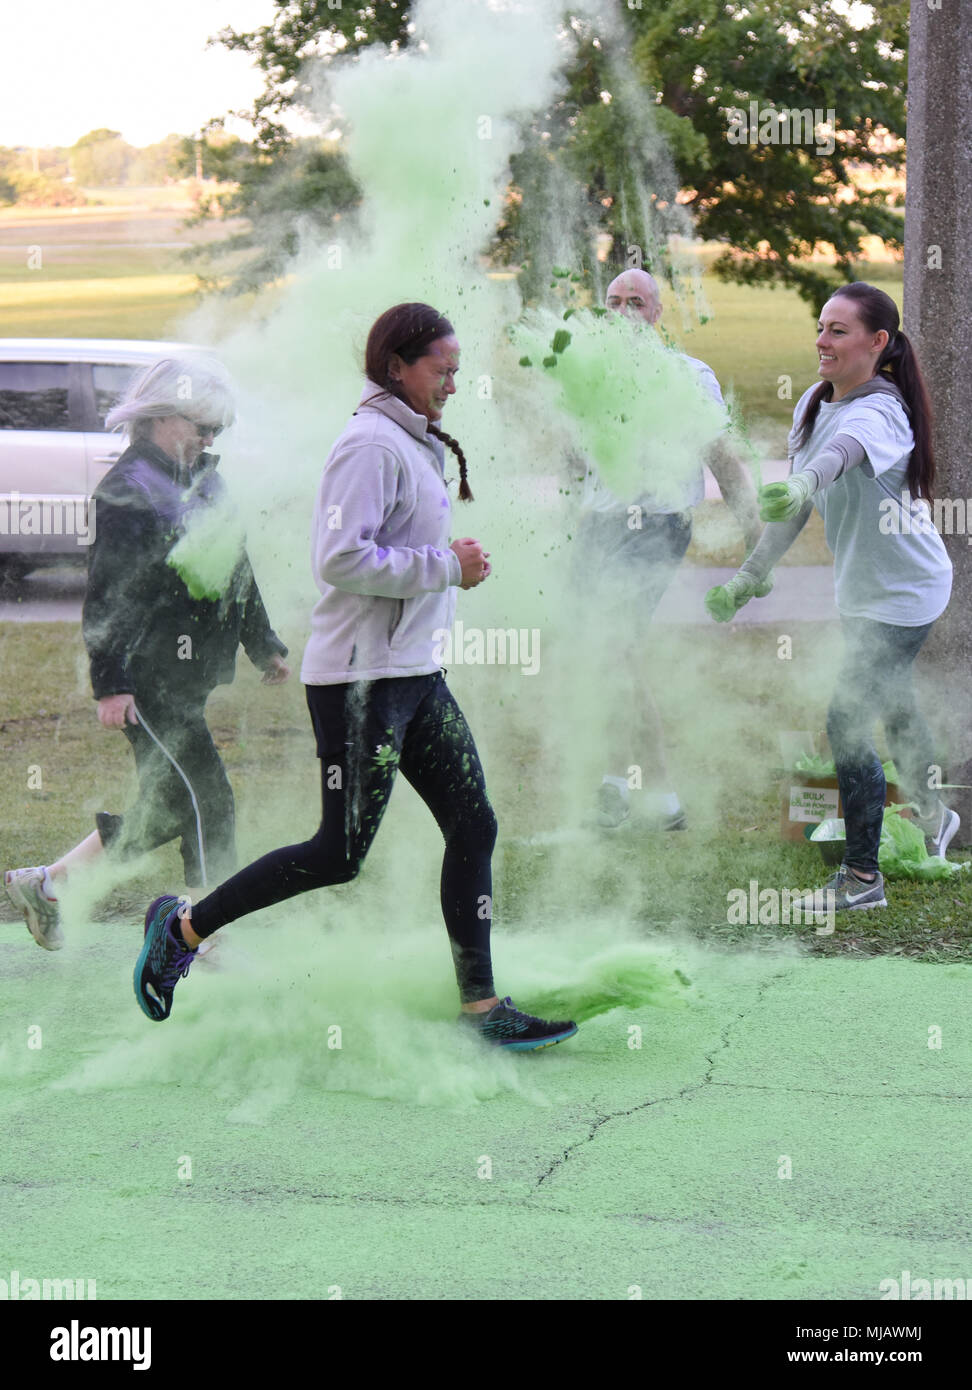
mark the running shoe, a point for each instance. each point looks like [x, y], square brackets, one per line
[613, 808]
[848, 892]
[939, 830]
[25, 891]
[505, 1026]
[163, 961]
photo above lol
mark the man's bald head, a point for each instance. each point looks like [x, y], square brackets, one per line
[634, 293]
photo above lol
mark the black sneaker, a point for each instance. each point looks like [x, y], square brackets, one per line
[505, 1026]
[163, 961]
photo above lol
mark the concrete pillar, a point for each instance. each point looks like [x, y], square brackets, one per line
[938, 319]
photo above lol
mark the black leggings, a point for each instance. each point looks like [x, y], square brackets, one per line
[875, 683]
[365, 732]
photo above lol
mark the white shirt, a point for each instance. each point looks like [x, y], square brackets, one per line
[888, 566]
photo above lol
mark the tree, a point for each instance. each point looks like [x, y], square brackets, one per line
[46, 188]
[100, 158]
[153, 164]
[770, 205]
[306, 181]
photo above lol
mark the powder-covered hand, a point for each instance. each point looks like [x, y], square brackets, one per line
[725, 600]
[782, 501]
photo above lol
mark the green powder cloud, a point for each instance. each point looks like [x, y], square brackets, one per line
[636, 409]
[208, 553]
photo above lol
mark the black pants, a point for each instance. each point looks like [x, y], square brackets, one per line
[366, 732]
[614, 565]
[164, 810]
[875, 683]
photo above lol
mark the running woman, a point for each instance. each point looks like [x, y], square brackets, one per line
[861, 453]
[378, 702]
[156, 649]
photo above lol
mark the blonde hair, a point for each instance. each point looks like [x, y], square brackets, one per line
[197, 387]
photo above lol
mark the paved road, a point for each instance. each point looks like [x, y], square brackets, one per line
[791, 1132]
[804, 592]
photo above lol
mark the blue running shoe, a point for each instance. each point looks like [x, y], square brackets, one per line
[163, 962]
[505, 1026]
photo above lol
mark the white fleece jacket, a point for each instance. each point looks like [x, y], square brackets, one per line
[380, 550]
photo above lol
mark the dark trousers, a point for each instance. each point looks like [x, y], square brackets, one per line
[875, 682]
[366, 732]
[614, 564]
[183, 791]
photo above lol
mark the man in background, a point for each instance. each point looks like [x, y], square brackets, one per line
[628, 568]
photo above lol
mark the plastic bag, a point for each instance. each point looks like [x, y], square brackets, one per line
[812, 765]
[902, 852]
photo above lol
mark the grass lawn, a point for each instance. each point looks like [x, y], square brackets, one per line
[540, 777]
[114, 272]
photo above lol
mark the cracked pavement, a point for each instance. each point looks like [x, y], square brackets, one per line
[788, 1134]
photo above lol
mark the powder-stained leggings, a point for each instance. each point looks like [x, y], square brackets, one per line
[875, 683]
[366, 732]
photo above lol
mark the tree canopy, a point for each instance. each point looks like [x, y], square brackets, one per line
[771, 205]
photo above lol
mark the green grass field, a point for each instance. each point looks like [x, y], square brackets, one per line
[729, 782]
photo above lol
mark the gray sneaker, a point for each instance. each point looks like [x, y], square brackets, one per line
[40, 912]
[613, 809]
[848, 892]
[939, 830]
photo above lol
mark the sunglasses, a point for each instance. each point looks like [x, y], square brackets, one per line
[214, 430]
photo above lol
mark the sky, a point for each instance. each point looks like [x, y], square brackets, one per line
[137, 66]
[140, 67]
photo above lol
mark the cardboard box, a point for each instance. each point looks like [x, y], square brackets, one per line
[809, 800]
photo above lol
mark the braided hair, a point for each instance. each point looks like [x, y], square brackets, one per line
[408, 331]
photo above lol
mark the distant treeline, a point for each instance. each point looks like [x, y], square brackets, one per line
[55, 176]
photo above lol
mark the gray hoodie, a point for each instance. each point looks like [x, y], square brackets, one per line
[380, 549]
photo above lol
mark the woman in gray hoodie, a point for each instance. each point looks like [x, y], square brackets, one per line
[387, 576]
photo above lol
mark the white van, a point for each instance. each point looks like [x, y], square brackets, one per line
[54, 396]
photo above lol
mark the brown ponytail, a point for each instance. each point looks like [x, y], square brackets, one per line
[408, 331]
[898, 361]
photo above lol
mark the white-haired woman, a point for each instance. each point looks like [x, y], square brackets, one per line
[169, 599]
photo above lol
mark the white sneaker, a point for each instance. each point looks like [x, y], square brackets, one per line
[937, 840]
[40, 912]
[613, 808]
